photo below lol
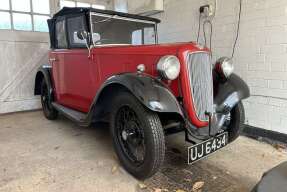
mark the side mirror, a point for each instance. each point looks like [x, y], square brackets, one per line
[82, 34]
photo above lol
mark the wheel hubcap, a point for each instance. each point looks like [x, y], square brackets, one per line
[125, 135]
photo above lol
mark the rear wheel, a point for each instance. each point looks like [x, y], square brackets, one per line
[138, 136]
[48, 110]
[235, 124]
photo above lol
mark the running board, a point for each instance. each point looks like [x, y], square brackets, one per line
[78, 117]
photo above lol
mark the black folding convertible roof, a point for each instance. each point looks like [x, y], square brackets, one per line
[67, 12]
[77, 10]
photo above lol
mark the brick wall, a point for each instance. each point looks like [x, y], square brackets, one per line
[261, 54]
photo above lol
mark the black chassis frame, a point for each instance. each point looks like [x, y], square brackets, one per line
[154, 95]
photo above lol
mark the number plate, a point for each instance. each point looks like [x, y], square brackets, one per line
[201, 150]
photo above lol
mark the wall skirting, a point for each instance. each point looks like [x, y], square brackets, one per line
[258, 133]
[20, 105]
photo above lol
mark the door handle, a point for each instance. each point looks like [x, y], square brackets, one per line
[53, 59]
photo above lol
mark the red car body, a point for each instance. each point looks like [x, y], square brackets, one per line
[106, 65]
[104, 62]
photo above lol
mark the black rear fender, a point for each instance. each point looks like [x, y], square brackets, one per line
[43, 73]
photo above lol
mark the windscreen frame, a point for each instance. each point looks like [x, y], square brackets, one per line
[120, 18]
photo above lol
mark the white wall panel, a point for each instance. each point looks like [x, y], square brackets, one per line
[21, 53]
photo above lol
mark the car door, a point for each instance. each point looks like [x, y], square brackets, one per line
[56, 58]
[73, 71]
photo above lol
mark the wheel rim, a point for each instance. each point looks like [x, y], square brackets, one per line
[130, 135]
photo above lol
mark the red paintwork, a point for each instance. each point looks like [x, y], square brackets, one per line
[77, 77]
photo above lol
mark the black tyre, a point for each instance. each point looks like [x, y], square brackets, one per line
[138, 136]
[236, 122]
[48, 110]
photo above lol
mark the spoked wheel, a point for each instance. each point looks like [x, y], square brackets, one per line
[130, 135]
[48, 110]
[137, 136]
[235, 122]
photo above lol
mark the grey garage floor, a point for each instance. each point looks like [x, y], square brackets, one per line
[41, 155]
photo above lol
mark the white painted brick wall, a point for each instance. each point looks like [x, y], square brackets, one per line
[261, 54]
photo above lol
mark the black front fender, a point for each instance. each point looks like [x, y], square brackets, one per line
[230, 92]
[149, 91]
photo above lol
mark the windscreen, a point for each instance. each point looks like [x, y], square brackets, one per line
[116, 30]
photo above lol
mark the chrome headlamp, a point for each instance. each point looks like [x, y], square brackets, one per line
[169, 67]
[224, 66]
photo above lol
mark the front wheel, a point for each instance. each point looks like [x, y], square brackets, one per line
[235, 124]
[138, 136]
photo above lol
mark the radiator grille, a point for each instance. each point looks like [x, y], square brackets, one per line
[201, 81]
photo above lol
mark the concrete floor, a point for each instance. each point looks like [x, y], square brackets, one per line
[41, 155]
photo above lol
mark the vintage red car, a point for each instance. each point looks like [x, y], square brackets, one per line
[106, 65]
